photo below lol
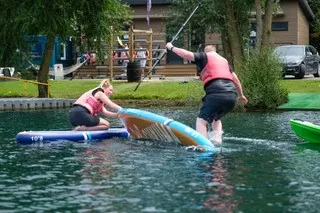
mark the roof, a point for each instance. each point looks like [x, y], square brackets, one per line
[307, 10]
[144, 2]
[303, 3]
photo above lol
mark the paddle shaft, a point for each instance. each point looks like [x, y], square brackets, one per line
[163, 53]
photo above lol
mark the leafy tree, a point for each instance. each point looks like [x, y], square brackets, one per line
[315, 6]
[315, 25]
[264, 14]
[96, 20]
[230, 18]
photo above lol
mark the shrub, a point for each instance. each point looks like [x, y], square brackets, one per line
[260, 75]
[27, 74]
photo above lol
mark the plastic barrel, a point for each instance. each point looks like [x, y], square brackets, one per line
[133, 71]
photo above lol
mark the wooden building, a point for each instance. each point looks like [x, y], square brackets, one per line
[290, 24]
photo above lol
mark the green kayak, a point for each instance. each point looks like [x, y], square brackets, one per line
[306, 130]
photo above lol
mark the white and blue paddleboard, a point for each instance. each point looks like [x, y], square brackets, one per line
[29, 137]
[146, 125]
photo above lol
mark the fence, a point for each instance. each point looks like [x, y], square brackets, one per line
[27, 81]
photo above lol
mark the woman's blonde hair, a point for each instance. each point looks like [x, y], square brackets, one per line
[105, 83]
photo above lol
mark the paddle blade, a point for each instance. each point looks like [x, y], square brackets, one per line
[119, 41]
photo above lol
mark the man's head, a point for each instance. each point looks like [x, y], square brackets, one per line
[210, 48]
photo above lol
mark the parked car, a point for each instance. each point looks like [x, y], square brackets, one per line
[298, 60]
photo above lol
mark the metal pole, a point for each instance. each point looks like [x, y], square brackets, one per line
[164, 52]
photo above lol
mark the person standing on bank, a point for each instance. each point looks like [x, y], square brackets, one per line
[141, 54]
[124, 55]
[83, 114]
[221, 85]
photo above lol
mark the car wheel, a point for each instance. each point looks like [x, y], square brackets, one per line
[317, 74]
[301, 72]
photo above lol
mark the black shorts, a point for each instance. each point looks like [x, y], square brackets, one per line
[216, 105]
[80, 116]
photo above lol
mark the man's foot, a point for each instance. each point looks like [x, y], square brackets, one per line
[194, 148]
[216, 137]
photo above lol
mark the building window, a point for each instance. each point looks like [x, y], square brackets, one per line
[279, 26]
[63, 51]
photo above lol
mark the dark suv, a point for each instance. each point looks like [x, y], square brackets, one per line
[298, 60]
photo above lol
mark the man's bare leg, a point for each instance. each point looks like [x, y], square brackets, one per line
[201, 127]
[216, 132]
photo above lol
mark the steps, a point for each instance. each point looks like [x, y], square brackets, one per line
[168, 70]
[94, 71]
[177, 70]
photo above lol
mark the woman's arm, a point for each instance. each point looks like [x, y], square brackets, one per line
[101, 96]
[108, 113]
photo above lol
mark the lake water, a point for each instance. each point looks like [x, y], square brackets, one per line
[261, 167]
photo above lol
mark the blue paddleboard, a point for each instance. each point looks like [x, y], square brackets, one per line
[29, 137]
[146, 125]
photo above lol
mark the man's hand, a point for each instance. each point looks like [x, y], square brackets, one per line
[169, 45]
[243, 99]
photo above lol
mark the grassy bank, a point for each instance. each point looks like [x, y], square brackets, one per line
[149, 93]
[301, 86]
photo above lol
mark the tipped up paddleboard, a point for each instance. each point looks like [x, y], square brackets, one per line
[306, 130]
[29, 137]
[149, 126]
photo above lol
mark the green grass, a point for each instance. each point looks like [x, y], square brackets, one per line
[301, 86]
[152, 91]
[156, 90]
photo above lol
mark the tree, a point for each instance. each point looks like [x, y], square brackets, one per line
[61, 18]
[230, 18]
[264, 15]
[315, 5]
[315, 25]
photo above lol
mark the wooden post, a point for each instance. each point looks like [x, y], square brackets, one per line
[150, 52]
[110, 58]
[131, 44]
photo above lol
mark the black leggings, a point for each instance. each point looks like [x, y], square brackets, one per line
[80, 116]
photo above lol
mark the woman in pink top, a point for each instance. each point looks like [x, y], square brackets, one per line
[84, 112]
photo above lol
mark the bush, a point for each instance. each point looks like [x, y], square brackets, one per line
[260, 75]
[27, 74]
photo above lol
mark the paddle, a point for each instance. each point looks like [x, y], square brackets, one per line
[163, 53]
[119, 41]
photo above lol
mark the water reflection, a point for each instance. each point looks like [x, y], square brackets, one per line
[97, 162]
[221, 199]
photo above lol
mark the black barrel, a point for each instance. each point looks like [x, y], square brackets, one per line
[133, 71]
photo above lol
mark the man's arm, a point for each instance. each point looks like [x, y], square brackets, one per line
[236, 81]
[181, 52]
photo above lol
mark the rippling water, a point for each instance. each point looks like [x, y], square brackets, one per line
[261, 167]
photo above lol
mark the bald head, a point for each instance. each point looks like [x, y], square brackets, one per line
[210, 48]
